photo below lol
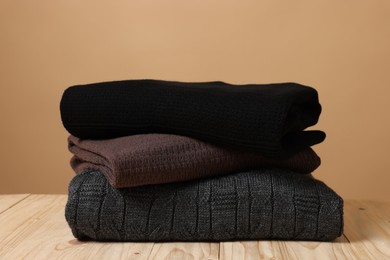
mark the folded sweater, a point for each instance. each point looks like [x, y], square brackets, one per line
[268, 119]
[161, 158]
[262, 204]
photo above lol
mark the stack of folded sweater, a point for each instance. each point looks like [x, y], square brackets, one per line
[173, 161]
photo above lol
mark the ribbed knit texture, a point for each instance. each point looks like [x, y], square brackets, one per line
[160, 158]
[262, 204]
[268, 119]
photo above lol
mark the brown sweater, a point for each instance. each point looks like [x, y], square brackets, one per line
[161, 158]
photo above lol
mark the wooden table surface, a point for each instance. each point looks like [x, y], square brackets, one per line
[34, 227]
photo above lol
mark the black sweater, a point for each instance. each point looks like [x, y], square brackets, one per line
[268, 119]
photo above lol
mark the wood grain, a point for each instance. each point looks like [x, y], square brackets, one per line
[34, 227]
[337, 249]
[367, 226]
[250, 250]
[185, 251]
[7, 201]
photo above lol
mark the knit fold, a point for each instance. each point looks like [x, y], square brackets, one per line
[269, 119]
[161, 158]
[267, 203]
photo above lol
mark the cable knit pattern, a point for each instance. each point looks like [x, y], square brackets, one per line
[267, 203]
[160, 158]
[268, 119]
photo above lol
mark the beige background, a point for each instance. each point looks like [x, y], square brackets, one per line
[342, 48]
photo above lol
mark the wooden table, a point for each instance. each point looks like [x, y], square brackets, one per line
[34, 227]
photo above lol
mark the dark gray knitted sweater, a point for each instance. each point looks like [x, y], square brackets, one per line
[262, 204]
